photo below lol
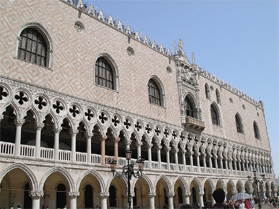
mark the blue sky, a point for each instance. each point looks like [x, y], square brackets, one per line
[236, 40]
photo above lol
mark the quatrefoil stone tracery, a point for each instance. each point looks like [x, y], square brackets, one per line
[74, 110]
[89, 114]
[40, 102]
[21, 97]
[58, 107]
[3, 92]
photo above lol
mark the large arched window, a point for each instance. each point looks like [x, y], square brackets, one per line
[32, 47]
[155, 96]
[189, 107]
[207, 91]
[104, 75]
[256, 130]
[238, 123]
[214, 115]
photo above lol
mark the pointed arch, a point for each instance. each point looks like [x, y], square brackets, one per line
[215, 114]
[256, 130]
[239, 123]
[198, 183]
[167, 181]
[96, 175]
[26, 170]
[190, 105]
[64, 172]
[186, 187]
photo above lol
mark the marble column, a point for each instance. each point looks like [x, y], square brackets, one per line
[184, 159]
[168, 157]
[19, 123]
[103, 198]
[36, 199]
[73, 199]
[73, 145]
[176, 159]
[149, 155]
[187, 198]
[56, 142]
[201, 200]
[103, 149]
[116, 140]
[88, 147]
[159, 156]
[151, 197]
[39, 127]
[139, 149]
[170, 197]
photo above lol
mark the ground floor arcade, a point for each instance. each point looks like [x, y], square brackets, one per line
[42, 185]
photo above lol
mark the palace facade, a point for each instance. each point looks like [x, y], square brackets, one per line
[78, 88]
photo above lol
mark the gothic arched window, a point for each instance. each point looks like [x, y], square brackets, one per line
[104, 75]
[214, 115]
[154, 93]
[238, 123]
[32, 47]
[189, 108]
[256, 130]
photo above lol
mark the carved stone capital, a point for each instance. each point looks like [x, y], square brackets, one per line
[37, 194]
[102, 195]
[19, 122]
[57, 130]
[73, 194]
[40, 125]
[150, 194]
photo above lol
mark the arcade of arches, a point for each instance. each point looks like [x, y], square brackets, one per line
[57, 187]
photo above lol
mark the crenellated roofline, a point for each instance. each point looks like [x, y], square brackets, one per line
[117, 25]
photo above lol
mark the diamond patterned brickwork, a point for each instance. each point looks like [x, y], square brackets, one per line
[74, 55]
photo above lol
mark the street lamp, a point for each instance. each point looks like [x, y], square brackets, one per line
[128, 171]
[258, 182]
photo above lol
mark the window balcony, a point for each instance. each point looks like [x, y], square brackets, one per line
[194, 123]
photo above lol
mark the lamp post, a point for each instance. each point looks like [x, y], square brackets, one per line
[128, 172]
[258, 182]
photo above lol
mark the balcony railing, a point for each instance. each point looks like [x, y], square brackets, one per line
[26, 151]
[194, 123]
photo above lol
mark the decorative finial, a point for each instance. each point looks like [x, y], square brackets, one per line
[180, 47]
[193, 58]
[175, 47]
